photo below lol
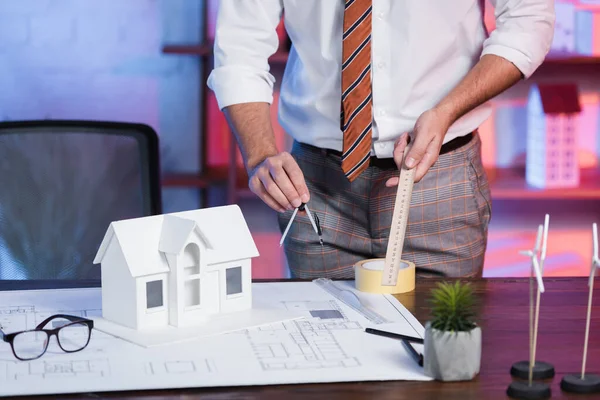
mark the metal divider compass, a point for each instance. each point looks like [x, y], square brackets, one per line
[314, 222]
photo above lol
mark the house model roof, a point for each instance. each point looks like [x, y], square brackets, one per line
[145, 241]
[560, 98]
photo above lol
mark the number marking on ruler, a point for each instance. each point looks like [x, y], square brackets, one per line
[398, 227]
[350, 299]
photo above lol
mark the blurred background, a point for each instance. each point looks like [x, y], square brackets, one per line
[146, 61]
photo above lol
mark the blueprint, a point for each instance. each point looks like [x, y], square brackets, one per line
[327, 345]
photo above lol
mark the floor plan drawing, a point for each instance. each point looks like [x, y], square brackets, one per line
[328, 344]
[15, 310]
[43, 369]
[301, 350]
[181, 367]
[323, 310]
[307, 343]
[16, 316]
[42, 315]
[27, 317]
[321, 315]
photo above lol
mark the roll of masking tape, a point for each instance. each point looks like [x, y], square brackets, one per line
[368, 275]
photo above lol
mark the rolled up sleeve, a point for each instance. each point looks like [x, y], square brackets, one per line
[523, 34]
[245, 38]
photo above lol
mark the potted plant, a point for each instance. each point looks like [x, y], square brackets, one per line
[452, 344]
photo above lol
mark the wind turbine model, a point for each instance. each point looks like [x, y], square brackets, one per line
[582, 383]
[531, 389]
[534, 369]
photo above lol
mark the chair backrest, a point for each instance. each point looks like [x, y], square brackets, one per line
[61, 184]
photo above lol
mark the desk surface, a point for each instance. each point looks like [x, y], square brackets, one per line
[503, 306]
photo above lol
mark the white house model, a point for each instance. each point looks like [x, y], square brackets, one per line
[552, 128]
[176, 270]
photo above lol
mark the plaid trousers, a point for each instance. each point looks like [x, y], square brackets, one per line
[447, 223]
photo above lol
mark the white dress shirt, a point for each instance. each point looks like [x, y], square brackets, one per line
[420, 50]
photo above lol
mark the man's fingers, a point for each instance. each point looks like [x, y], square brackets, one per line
[280, 183]
[392, 182]
[270, 201]
[399, 147]
[426, 162]
[296, 176]
[283, 182]
[257, 187]
[428, 159]
[273, 189]
[418, 149]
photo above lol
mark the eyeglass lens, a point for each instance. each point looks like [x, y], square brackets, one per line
[73, 337]
[31, 344]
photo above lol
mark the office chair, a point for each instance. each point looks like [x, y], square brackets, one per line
[61, 184]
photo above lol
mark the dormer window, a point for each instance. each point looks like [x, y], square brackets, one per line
[191, 270]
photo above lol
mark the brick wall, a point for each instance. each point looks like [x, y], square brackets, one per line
[101, 59]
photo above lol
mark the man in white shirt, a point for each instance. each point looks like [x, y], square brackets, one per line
[362, 77]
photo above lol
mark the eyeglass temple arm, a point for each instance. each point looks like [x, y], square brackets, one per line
[71, 318]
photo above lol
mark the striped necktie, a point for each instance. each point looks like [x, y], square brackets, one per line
[356, 115]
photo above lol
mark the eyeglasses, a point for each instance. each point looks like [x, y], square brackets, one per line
[72, 336]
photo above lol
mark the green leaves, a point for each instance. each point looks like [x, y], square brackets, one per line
[452, 307]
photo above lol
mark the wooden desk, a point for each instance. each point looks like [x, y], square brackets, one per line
[504, 314]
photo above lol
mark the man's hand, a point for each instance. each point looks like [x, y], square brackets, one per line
[279, 182]
[489, 77]
[427, 139]
[274, 177]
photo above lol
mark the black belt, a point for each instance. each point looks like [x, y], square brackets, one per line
[452, 145]
[456, 143]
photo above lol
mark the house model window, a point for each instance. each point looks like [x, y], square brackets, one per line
[176, 269]
[234, 280]
[191, 270]
[154, 294]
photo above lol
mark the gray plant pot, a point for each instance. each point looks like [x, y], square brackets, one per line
[452, 356]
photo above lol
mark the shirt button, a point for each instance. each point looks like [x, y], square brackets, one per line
[381, 65]
[382, 112]
[381, 15]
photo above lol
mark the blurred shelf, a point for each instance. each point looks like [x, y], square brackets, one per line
[279, 57]
[505, 184]
[510, 184]
[282, 56]
[198, 50]
[212, 176]
[571, 59]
